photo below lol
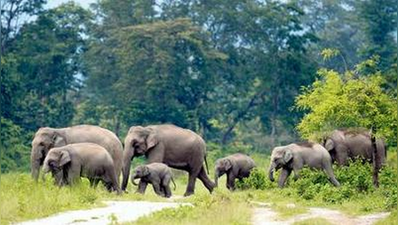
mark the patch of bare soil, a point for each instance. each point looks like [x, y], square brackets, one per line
[264, 215]
[115, 211]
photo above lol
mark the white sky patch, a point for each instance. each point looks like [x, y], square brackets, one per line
[54, 3]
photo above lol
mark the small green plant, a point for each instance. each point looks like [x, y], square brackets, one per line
[256, 180]
[113, 219]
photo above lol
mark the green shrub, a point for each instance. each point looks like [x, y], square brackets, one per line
[256, 180]
[388, 186]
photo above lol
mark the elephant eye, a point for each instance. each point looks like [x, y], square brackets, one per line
[52, 164]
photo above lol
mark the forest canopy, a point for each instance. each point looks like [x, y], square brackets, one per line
[249, 74]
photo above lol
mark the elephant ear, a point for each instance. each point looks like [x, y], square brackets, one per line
[58, 140]
[329, 144]
[145, 171]
[288, 155]
[227, 164]
[64, 158]
[151, 140]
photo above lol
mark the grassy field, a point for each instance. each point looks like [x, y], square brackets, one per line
[22, 199]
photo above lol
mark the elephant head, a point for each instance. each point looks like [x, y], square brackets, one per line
[45, 139]
[138, 141]
[55, 162]
[222, 166]
[139, 172]
[280, 157]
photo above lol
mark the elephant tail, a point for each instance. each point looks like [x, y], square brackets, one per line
[172, 180]
[207, 166]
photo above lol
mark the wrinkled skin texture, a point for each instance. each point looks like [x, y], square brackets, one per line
[294, 157]
[47, 138]
[236, 166]
[174, 146]
[88, 160]
[344, 145]
[157, 174]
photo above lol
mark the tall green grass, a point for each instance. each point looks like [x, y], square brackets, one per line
[23, 199]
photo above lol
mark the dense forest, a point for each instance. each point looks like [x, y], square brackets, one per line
[246, 75]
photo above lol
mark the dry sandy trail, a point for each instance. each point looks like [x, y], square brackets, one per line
[264, 215]
[123, 211]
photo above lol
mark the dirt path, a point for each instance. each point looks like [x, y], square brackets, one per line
[120, 211]
[264, 215]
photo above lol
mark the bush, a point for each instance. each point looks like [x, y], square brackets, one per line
[256, 180]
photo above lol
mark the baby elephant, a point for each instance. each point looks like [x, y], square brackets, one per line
[157, 174]
[235, 166]
[296, 156]
[70, 162]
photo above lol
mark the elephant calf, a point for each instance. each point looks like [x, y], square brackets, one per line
[296, 156]
[157, 174]
[70, 162]
[235, 166]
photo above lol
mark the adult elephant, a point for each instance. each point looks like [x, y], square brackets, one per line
[345, 144]
[70, 162]
[295, 156]
[47, 138]
[174, 146]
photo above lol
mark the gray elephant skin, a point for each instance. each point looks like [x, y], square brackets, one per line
[47, 138]
[89, 160]
[296, 156]
[174, 146]
[236, 166]
[345, 144]
[157, 174]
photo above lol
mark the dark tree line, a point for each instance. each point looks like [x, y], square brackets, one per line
[228, 69]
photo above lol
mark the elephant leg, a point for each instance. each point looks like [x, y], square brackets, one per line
[191, 183]
[329, 172]
[296, 173]
[167, 191]
[230, 181]
[156, 188]
[206, 180]
[92, 182]
[142, 187]
[342, 155]
[283, 177]
[166, 186]
[96, 181]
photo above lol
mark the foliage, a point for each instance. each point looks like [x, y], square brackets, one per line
[347, 100]
[15, 155]
[256, 180]
[313, 185]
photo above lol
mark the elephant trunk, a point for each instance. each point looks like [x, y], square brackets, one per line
[35, 168]
[46, 169]
[128, 156]
[271, 172]
[216, 176]
[133, 177]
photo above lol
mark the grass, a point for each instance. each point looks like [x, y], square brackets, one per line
[390, 220]
[219, 208]
[22, 199]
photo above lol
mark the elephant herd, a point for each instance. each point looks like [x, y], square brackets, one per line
[97, 154]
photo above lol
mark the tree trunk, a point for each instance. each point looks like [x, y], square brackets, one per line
[240, 116]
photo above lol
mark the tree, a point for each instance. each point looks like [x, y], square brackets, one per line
[13, 14]
[47, 60]
[156, 73]
[380, 26]
[353, 99]
[267, 59]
